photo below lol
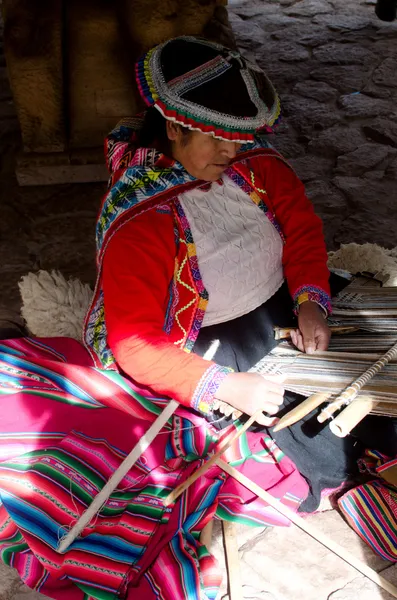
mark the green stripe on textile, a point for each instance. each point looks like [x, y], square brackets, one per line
[25, 466]
[138, 509]
[225, 515]
[245, 450]
[383, 508]
[202, 551]
[17, 544]
[236, 463]
[93, 592]
[74, 464]
[122, 383]
[70, 484]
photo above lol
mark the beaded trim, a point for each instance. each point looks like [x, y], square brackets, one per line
[204, 394]
[314, 294]
[210, 70]
[217, 133]
[166, 96]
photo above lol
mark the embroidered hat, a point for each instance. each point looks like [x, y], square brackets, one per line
[205, 86]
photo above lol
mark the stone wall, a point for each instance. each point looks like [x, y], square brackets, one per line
[334, 64]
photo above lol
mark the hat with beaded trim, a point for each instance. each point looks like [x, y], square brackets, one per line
[207, 87]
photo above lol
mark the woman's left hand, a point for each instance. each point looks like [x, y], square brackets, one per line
[313, 333]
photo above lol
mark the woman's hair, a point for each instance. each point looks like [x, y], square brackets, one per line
[154, 132]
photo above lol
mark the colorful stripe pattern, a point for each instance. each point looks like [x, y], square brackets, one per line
[314, 294]
[156, 182]
[149, 182]
[204, 394]
[198, 291]
[170, 98]
[371, 509]
[59, 448]
[258, 196]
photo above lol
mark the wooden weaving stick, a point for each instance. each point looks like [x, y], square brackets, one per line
[118, 475]
[284, 333]
[232, 560]
[208, 464]
[352, 390]
[206, 534]
[355, 412]
[346, 397]
[303, 409]
[309, 528]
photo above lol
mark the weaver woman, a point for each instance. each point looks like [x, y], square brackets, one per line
[205, 239]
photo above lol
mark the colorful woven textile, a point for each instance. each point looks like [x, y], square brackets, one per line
[151, 180]
[371, 509]
[204, 86]
[143, 179]
[65, 428]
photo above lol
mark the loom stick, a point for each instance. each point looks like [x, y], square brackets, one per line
[284, 333]
[232, 560]
[355, 412]
[309, 528]
[209, 463]
[352, 390]
[118, 475]
[364, 312]
[303, 409]
[206, 535]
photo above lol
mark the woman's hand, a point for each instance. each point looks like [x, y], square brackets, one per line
[313, 333]
[250, 392]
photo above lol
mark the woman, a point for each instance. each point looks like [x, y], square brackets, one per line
[193, 255]
[200, 225]
[242, 223]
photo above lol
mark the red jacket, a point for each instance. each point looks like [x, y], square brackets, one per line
[139, 265]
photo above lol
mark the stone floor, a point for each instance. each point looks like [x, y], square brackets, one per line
[334, 65]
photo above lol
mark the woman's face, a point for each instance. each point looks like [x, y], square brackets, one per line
[202, 155]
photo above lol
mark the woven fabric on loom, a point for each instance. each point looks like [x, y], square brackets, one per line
[370, 309]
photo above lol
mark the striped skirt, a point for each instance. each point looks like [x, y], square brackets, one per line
[65, 426]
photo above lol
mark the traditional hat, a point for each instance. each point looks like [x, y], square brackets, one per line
[205, 86]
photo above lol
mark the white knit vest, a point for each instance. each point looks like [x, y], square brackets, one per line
[239, 251]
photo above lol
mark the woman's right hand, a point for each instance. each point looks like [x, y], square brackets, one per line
[250, 392]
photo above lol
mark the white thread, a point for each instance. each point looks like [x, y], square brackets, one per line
[348, 395]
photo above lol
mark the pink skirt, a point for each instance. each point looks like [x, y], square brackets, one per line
[65, 426]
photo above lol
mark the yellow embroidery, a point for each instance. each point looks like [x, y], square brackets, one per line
[255, 198]
[254, 186]
[188, 287]
[303, 298]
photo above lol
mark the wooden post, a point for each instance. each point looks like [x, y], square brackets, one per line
[232, 560]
